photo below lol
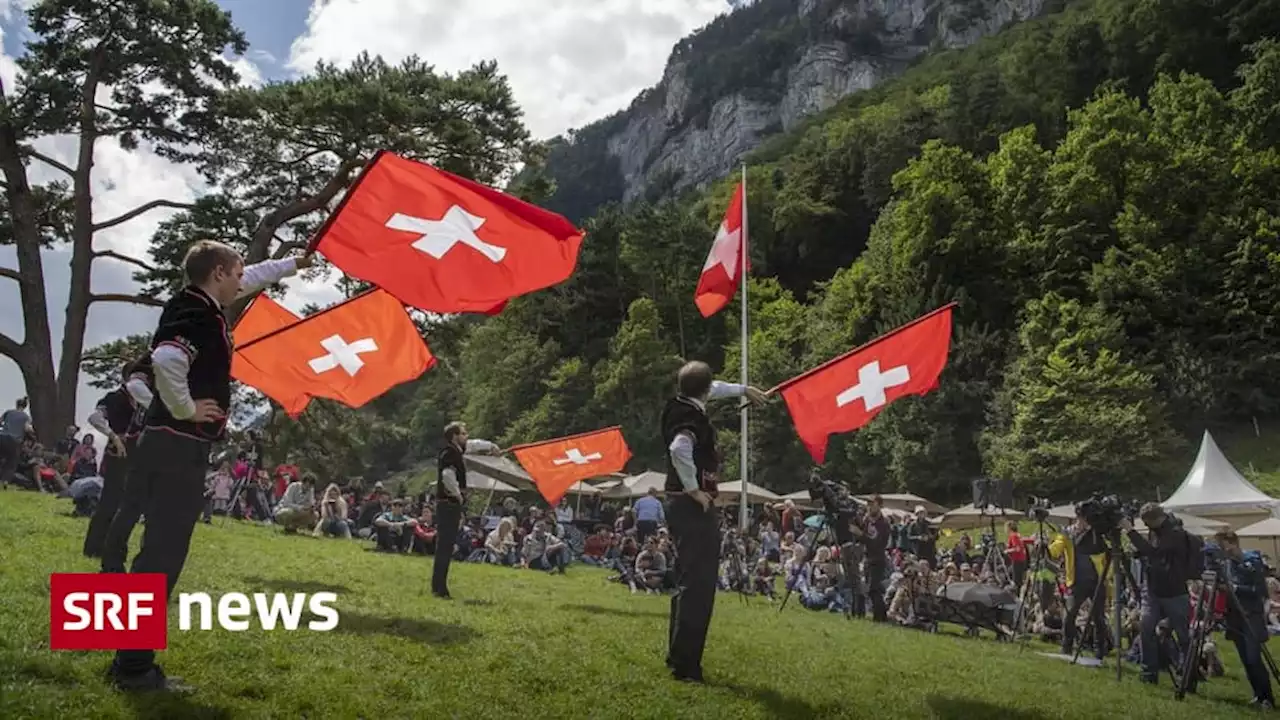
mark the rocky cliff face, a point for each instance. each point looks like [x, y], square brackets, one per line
[847, 46]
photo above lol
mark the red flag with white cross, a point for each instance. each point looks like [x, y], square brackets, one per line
[722, 273]
[443, 243]
[848, 392]
[555, 465]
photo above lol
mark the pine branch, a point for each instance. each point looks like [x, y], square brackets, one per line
[126, 298]
[32, 152]
[124, 258]
[146, 207]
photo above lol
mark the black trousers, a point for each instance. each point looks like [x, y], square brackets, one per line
[166, 483]
[696, 533]
[645, 528]
[115, 474]
[1081, 591]
[10, 454]
[448, 516]
[875, 592]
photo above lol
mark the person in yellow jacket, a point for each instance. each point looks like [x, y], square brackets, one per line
[1082, 580]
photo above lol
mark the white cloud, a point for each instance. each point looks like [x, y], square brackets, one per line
[569, 61]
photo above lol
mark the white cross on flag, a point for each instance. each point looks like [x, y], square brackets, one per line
[848, 392]
[722, 273]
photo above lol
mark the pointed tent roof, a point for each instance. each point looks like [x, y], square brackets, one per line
[1214, 484]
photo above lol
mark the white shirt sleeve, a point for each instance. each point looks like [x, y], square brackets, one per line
[681, 450]
[449, 479]
[98, 421]
[171, 366]
[720, 389]
[139, 391]
[481, 446]
[267, 272]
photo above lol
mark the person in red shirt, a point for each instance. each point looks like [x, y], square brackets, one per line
[1017, 552]
[285, 474]
[596, 546]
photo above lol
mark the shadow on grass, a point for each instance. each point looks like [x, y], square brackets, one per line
[953, 708]
[426, 631]
[777, 704]
[477, 602]
[601, 610]
[294, 586]
[162, 706]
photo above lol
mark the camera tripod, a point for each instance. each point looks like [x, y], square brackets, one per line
[993, 556]
[1121, 575]
[1202, 624]
[1030, 581]
[849, 575]
[739, 574]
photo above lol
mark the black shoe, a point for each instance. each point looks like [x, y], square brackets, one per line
[442, 595]
[689, 677]
[153, 680]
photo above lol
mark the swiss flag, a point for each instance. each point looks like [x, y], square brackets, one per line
[722, 273]
[555, 465]
[351, 352]
[443, 243]
[263, 317]
[846, 393]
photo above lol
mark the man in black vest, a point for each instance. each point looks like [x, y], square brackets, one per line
[450, 498]
[692, 463]
[114, 417]
[191, 359]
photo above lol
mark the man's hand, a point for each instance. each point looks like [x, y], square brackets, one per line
[756, 395]
[305, 260]
[702, 498]
[207, 410]
[118, 444]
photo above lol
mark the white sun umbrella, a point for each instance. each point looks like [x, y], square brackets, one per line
[907, 503]
[755, 493]
[476, 481]
[636, 486]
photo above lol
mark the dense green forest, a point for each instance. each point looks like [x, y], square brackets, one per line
[1098, 189]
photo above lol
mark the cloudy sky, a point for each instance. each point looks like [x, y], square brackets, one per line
[569, 62]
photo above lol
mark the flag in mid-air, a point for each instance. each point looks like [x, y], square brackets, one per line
[443, 243]
[722, 273]
[351, 352]
[848, 392]
[263, 317]
[555, 465]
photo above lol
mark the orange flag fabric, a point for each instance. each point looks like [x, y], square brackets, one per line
[263, 317]
[351, 352]
[555, 465]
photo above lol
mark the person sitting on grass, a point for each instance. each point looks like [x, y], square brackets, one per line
[333, 514]
[651, 566]
[500, 544]
[297, 507]
[544, 551]
[596, 547]
[424, 533]
[763, 581]
[394, 528]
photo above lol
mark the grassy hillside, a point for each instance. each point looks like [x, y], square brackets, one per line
[521, 644]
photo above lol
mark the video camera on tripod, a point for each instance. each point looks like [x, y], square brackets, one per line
[1104, 512]
[838, 504]
[1039, 509]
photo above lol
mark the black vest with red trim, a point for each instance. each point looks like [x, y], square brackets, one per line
[683, 415]
[193, 322]
[450, 458]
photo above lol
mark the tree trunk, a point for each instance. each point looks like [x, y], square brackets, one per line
[34, 356]
[78, 295]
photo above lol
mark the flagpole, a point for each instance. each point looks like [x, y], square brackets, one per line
[744, 444]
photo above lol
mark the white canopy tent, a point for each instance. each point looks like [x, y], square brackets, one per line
[1263, 536]
[1214, 489]
[755, 494]
[907, 503]
[636, 485]
[968, 517]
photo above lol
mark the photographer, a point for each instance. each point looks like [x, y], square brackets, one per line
[1082, 552]
[1246, 620]
[1164, 588]
[923, 537]
[874, 535]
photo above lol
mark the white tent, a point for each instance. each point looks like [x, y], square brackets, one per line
[1262, 536]
[755, 494]
[637, 485]
[1214, 489]
[907, 503]
[968, 516]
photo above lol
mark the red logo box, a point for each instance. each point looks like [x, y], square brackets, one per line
[108, 611]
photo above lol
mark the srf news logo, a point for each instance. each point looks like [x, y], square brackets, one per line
[89, 611]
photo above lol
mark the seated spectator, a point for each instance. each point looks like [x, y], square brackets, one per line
[544, 551]
[373, 508]
[394, 528]
[596, 547]
[763, 580]
[67, 444]
[333, 514]
[297, 508]
[651, 566]
[424, 533]
[83, 461]
[500, 544]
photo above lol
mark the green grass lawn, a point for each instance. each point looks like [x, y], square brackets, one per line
[520, 644]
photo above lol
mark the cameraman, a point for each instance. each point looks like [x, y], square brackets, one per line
[874, 535]
[1246, 620]
[1082, 550]
[1164, 587]
[923, 537]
